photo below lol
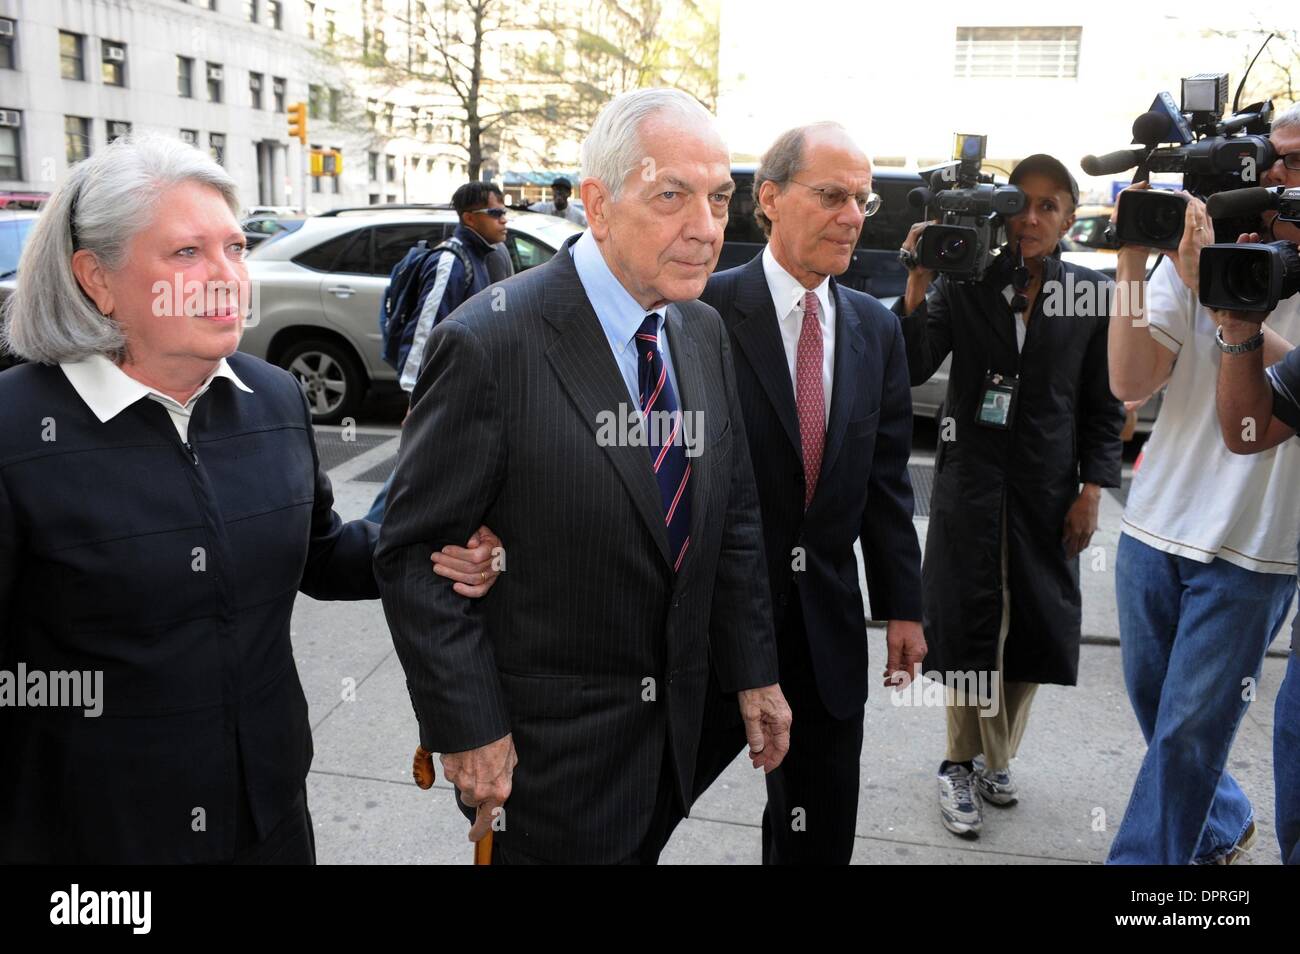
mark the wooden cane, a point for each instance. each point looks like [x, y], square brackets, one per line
[423, 773]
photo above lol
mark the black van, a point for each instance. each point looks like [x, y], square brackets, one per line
[875, 268]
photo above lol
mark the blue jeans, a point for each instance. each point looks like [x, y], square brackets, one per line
[376, 514]
[1190, 634]
[1286, 759]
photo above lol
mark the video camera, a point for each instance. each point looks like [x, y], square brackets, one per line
[1213, 154]
[970, 208]
[1251, 277]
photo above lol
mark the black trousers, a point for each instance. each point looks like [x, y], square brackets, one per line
[812, 799]
[292, 842]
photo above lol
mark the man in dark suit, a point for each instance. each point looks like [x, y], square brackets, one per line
[568, 703]
[821, 371]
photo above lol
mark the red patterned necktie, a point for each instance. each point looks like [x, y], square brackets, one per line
[810, 396]
[666, 444]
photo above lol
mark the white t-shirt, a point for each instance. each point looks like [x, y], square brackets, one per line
[1191, 496]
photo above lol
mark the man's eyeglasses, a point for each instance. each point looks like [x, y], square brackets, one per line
[833, 197]
[495, 213]
[1291, 160]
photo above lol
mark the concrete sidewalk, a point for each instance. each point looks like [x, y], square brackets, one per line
[1076, 766]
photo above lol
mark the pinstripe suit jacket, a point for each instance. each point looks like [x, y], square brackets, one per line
[588, 648]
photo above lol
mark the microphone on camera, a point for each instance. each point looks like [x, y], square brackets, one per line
[1241, 202]
[1151, 128]
[1112, 162]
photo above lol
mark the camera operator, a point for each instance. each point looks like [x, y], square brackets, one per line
[1207, 557]
[1030, 417]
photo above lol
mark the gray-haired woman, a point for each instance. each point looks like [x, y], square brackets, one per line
[161, 503]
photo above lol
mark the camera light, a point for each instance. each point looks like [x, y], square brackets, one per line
[1205, 93]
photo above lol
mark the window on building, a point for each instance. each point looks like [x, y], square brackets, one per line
[11, 161]
[313, 101]
[309, 15]
[274, 15]
[72, 56]
[217, 147]
[372, 198]
[277, 90]
[76, 138]
[8, 32]
[330, 16]
[336, 104]
[373, 166]
[372, 112]
[250, 11]
[1017, 52]
[190, 136]
[185, 76]
[216, 79]
[390, 168]
[116, 129]
[113, 63]
[255, 83]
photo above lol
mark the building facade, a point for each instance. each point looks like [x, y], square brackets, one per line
[220, 74]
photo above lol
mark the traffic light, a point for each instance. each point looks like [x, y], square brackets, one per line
[298, 122]
[325, 162]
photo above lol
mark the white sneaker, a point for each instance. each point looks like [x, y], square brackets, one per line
[959, 801]
[995, 787]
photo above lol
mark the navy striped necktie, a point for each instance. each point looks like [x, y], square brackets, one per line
[666, 440]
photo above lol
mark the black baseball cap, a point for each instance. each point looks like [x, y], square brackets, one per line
[1043, 164]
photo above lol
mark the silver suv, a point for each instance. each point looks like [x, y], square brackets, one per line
[319, 290]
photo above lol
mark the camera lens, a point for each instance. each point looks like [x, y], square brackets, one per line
[1160, 221]
[1246, 278]
[952, 249]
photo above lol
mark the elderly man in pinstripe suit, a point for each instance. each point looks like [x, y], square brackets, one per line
[567, 704]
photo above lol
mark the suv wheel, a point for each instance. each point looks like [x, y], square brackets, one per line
[328, 375]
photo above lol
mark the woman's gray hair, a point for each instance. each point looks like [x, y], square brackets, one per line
[109, 199]
[613, 148]
[781, 163]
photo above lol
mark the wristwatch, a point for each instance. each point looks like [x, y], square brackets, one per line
[1253, 343]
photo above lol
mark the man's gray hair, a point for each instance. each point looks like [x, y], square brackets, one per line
[115, 195]
[613, 149]
[781, 163]
[1289, 118]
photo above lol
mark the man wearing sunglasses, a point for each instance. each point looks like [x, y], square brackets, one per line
[473, 258]
[1030, 436]
[461, 272]
[822, 375]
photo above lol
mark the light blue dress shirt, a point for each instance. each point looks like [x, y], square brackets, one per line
[619, 314]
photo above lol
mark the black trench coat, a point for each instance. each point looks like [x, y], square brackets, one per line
[1066, 430]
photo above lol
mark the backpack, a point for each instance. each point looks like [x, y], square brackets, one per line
[399, 309]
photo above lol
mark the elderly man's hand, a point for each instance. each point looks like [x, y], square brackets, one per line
[905, 642]
[471, 567]
[767, 725]
[484, 777]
